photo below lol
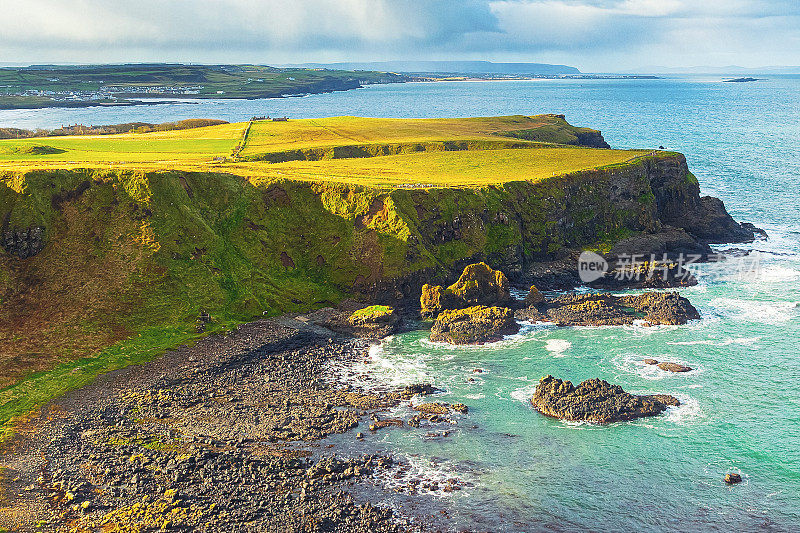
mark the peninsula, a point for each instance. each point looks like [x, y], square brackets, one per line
[173, 300]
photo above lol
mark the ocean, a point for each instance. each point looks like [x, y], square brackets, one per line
[740, 407]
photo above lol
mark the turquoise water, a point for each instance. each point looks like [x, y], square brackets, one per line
[741, 406]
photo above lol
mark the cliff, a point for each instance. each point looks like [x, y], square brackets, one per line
[101, 268]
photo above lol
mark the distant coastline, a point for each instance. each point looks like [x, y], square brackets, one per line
[54, 86]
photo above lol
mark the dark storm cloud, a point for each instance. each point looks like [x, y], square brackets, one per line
[587, 33]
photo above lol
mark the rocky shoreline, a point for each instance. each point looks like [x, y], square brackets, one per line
[220, 436]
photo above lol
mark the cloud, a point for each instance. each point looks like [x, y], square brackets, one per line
[591, 34]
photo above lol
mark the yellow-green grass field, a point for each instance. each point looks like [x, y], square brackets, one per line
[451, 169]
[267, 136]
[184, 146]
[435, 152]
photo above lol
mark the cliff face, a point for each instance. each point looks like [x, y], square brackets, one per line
[678, 204]
[104, 255]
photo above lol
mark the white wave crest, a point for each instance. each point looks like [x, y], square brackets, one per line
[557, 347]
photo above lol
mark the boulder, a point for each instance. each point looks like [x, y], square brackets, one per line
[732, 478]
[473, 325]
[479, 284]
[374, 321]
[668, 308]
[595, 400]
[674, 367]
[431, 300]
[651, 361]
[534, 297]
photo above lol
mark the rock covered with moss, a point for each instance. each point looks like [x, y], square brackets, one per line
[595, 400]
[431, 300]
[479, 284]
[473, 325]
[374, 321]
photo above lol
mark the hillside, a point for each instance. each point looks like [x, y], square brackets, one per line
[117, 247]
[89, 85]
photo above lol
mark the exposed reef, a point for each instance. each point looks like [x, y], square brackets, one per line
[595, 400]
[652, 308]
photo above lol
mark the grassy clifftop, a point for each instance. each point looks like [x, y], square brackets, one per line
[112, 264]
[366, 151]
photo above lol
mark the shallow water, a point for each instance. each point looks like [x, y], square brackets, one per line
[741, 404]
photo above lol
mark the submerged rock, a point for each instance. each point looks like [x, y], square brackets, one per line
[595, 400]
[654, 308]
[433, 408]
[474, 325]
[674, 367]
[479, 284]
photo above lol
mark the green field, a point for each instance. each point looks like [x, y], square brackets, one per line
[368, 151]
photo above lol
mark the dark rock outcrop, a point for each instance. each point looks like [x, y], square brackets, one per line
[591, 138]
[473, 325]
[421, 389]
[655, 308]
[534, 297]
[353, 319]
[24, 243]
[666, 308]
[713, 224]
[595, 400]
[669, 242]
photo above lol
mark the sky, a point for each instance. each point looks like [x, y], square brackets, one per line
[593, 35]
